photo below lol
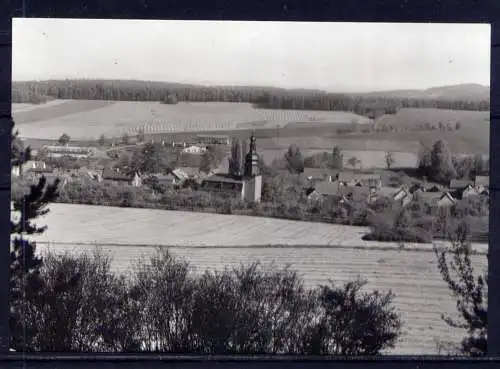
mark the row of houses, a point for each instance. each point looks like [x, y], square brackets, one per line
[345, 188]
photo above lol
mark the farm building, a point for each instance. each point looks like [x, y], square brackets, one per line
[56, 151]
[248, 187]
[323, 189]
[213, 139]
[335, 190]
[162, 180]
[113, 175]
[360, 179]
[183, 173]
[31, 167]
[482, 181]
[319, 174]
[460, 184]
[194, 149]
[34, 167]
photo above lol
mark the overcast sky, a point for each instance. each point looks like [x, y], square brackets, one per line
[332, 56]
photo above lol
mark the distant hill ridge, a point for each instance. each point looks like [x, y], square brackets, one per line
[467, 91]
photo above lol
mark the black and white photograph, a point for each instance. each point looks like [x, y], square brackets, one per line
[249, 187]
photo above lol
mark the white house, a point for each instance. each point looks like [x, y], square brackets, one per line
[194, 149]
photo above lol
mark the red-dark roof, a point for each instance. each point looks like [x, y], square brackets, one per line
[222, 178]
[349, 176]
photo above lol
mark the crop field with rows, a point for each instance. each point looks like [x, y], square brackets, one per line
[84, 119]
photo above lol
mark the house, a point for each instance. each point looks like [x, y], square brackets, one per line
[183, 173]
[460, 184]
[319, 174]
[31, 167]
[429, 198]
[446, 199]
[403, 196]
[114, 175]
[470, 190]
[359, 179]
[248, 187]
[194, 149]
[481, 182]
[326, 188]
[313, 196]
[432, 188]
[164, 180]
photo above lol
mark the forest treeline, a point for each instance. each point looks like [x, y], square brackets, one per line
[261, 97]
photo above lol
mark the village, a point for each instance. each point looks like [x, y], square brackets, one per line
[339, 186]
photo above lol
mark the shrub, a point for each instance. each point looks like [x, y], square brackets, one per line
[160, 306]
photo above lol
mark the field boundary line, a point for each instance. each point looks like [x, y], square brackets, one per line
[412, 248]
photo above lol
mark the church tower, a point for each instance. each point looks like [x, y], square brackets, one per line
[252, 160]
[252, 178]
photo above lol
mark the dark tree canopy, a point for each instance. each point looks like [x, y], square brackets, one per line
[64, 139]
[294, 160]
[371, 106]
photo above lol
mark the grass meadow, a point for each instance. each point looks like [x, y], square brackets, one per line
[473, 137]
[319, 252]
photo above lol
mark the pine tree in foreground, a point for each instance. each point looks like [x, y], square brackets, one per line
[25, 264]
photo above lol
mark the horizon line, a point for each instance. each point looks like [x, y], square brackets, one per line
[251, 85]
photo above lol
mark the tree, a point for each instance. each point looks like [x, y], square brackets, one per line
[468, 288]
[140, 135]
[236, 158]
[294, 160]
[211, 158]
[64, 139]
[442, 169]
[337, 158]
[102, 140]
[352, 322]
[151, 158]
[25, 281]
[125, 139]
[170, 99]
[389, 159]
[353, 162]
[479, 164]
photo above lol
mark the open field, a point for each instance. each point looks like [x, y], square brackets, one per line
[368, 158]
[91, 118]
[472, 138]
[371, 153]
[318, 251]
[413, 117]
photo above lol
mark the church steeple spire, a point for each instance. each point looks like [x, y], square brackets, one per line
[252, 159]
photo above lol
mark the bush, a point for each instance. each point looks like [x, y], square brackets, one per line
[160, 306]
[81, 307]
[416, 235]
